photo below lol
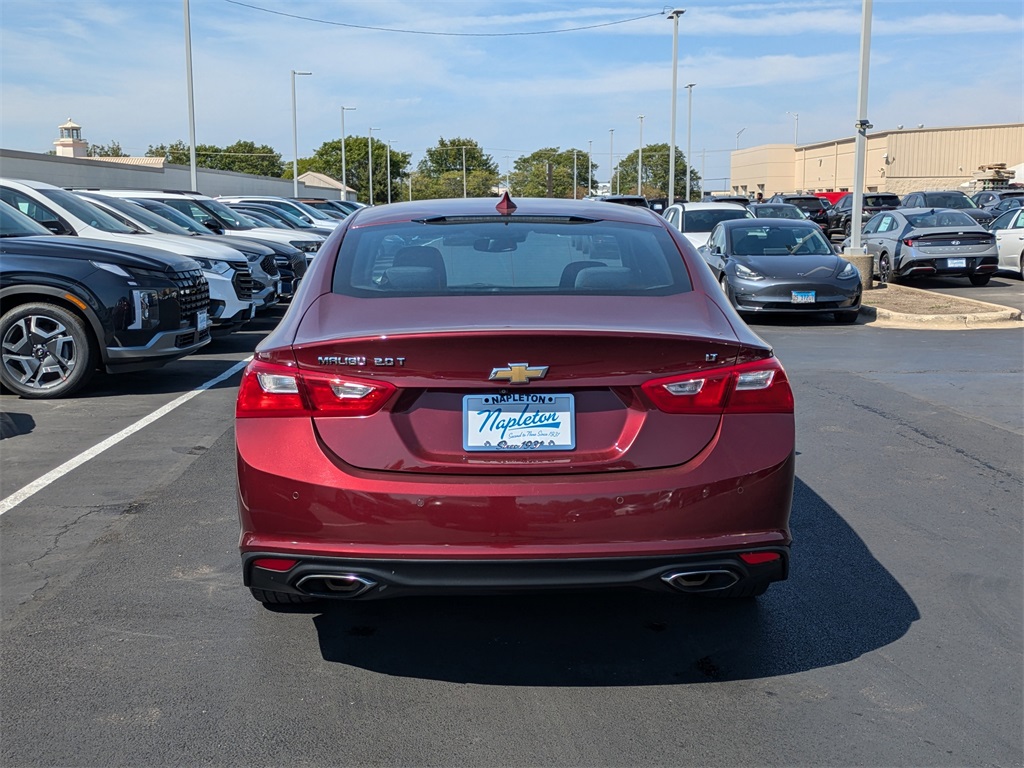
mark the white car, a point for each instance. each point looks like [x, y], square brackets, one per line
[1009, 231]
[307, 213]
[696, 220]
[65, 213]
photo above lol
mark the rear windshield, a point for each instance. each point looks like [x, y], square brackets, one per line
[948, 200]
[807, 203]
[502, 257]
[779, 240]
[779, 212]
[940, 219]
[882, 201]
[705, 221]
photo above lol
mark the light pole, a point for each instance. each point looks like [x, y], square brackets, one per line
[464, 195]
[640, 157]
[738, 133]
[796, 126]
[344, 182]
[590, 166]
[856, 253]
[295, 138]
[575, 175]
[508, 175]
[390, 142]
[369, 158]
[611, 159]
[689, 132]
[191, 102]
[674, 15]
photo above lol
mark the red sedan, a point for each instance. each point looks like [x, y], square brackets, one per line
[539, 394]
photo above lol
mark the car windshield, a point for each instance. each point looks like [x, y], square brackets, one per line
[90, 214]
[705, 221]
[779, 240]
[491, 255]
[13, 223]
[221, 211]
[936, 219]
[949, 200]
[779, 212]
[289, 219]
[881, 201]
[172, 215]
[139, 214]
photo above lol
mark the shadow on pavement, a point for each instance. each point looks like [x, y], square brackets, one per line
[838, 604]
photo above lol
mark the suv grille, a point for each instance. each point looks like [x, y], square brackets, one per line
[242, 281]
[193, 291]
[299, 264]
[269, 265]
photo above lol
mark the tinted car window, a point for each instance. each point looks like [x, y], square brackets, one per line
[91, 215]
[705, 221]
[779, 240]
[940, 219]
[491, 256]
[948, 200]
[878, 201]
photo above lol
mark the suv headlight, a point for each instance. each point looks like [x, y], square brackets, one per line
[306, 246]
[145, 310]
[215, 265]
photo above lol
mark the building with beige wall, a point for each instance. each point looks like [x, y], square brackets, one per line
[898, 161]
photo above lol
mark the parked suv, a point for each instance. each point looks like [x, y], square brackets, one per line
[815, 208]
[990, 198]
[952, 198]
[840, 216]
[306, 213]
[292, 248]
[65, 213]
[70, 305]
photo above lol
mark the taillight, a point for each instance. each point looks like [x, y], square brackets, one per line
[271, 389]
[909, 242]
[760, 386]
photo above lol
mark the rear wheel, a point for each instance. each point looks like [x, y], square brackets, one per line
[46, 351]
[884, 268]
[847, 229]
[980, 280]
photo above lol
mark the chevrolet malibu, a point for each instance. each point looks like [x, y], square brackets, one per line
[471, 397]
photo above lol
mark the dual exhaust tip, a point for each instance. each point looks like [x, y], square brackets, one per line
[351, 585]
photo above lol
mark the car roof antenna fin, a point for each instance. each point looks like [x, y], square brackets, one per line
[505, 206]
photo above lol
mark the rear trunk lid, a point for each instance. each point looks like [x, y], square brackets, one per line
[464, 387]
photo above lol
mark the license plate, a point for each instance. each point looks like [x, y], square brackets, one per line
[802, 297]
[519, 421]
[202, 321]
[277, 286]
[956, 263]
[252, 311]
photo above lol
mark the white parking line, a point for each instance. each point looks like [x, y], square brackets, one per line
[37, 485]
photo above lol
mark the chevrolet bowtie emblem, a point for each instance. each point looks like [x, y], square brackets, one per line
[518, 373]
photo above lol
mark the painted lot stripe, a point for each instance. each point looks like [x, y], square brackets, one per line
[53, 475]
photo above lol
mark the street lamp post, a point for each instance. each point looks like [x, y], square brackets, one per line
[856, 253]
[640, 158]
[689, 132]
[611, 159]
[575, 184]
[464, 195]
[590, 166]
[344, 181]
[738, 134]
[369, 158]
[191, 102]
[674, 15]
[390, 142]
[295, 138]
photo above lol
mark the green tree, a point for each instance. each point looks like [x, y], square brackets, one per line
[530, 175]
[113, 149]
[176, 153]
[441, 172]
[240, 157]
[327, 160]
[654, 181]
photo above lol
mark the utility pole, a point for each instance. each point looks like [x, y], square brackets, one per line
[344, 181]
[640, 158]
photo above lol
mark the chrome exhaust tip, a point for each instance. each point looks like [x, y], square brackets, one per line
[335, 584]
[701, 580]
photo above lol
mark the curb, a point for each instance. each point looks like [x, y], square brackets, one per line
[985, 314]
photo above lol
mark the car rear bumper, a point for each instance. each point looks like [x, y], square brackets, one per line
[733, 497]
[361, 579]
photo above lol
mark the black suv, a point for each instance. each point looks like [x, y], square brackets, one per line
[70, 305]
[840, 216]
[812, 205]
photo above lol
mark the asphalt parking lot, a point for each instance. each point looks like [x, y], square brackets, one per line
[1004, 288]
[128, 638]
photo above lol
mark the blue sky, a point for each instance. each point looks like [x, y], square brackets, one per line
[117, 67]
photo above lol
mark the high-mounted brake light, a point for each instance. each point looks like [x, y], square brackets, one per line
[272, 389]
[759, 386]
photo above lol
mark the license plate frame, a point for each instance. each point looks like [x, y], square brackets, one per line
[202, 321]
[502, 422]
[959, 263]
[802, 297]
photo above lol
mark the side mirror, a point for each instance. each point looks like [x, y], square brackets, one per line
[214, 227]
[57, 227]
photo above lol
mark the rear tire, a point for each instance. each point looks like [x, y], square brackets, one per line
[280, 598]
[980, 280]
[47, 351]
[884, 268]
